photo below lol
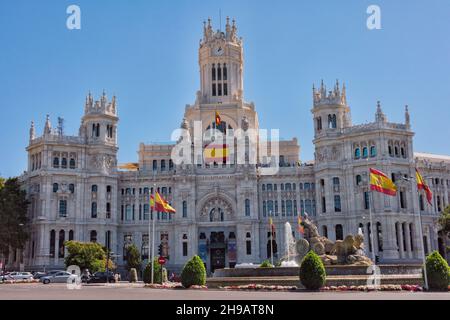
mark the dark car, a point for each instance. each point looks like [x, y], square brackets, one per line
[101, 277]
[39, 275]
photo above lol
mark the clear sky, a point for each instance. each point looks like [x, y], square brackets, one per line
[145, 52]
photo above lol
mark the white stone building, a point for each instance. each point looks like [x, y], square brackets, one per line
[77, 192]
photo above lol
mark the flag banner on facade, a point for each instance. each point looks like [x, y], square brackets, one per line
[422, 185]
[218, 120]
[381, 183]
[162, 205]
[301, 229]
[128, 166]
[216, 153]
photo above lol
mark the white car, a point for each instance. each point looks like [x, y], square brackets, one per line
[18, 276]
[60, 277]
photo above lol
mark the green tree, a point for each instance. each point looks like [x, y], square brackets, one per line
[438, 272]
[444, 220]
[14, 225]
[133, 257]
[86, 255]
[156, 273]
[194, 273]
[312, 271]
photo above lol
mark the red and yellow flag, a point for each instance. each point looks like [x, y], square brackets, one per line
[301, 229]
[161, 205]
[272, 226]
[381, 183]
[422, 185]
[152, 202]
[218, 120]
[216, 153]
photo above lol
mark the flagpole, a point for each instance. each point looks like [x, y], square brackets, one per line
[271, 238]
[153, 236]
[424, 260]
[371, 226]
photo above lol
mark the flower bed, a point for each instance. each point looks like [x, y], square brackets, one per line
[260, 287]
[173, 285]
[19, 281]
[384, 287]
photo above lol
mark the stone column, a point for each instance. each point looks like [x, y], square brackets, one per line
[401, 251]
[408, 240]
[389, 240]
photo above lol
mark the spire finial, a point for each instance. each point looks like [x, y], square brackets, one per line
[32, 131]
[48, 126]
[407, 117]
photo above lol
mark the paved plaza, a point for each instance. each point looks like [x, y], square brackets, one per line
[123, 291]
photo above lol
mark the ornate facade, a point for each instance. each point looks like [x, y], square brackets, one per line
[77, 192]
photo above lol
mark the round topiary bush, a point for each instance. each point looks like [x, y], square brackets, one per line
[312, 271]
[437, 272]
[194, 273]
[133, 275]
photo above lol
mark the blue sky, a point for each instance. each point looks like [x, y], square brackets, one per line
[145, 52]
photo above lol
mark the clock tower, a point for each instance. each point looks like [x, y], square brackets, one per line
[221, 65]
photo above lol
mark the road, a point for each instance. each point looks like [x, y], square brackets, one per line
[121, 291]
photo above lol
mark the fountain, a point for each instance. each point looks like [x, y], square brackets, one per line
[289, 247]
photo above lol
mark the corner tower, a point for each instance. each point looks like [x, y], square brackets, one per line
[221, 65]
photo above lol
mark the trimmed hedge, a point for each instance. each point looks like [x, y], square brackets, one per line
[312, 271]
[438, 272]
[266, 264]
[194, 273]
[147, 277]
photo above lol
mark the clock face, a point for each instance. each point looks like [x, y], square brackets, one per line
[218, 51]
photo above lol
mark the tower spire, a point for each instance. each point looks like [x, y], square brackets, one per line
[407, 117]
[48, 126]
[32, 131]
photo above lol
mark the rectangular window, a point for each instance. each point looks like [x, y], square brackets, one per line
[402, 200]
[214, 90]
[63, 208]
[337, 203]
[219, 91]
[366, 200]
[185, 249]
[146, 211]
[324, 205]
[128, 213]
[225, 89]
[248, 244]
[108, 210]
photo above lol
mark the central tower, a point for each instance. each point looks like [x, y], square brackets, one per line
[221, 65]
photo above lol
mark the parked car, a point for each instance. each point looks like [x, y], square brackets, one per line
[101, 277]
[17, 276]
[38, 275]
[60, 277]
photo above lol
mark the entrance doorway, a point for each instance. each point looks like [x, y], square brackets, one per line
[217, 258]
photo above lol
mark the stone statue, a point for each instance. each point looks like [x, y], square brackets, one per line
[349, 251]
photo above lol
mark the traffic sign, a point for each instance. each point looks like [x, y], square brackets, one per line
[161, 260]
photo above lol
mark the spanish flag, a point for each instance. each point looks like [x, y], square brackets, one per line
[216, 153]
[152, 202]
[422, 185]
[218, 120]
[301, 229]
[162, 205]
[129, 166]
[381, 183]
[272, 226]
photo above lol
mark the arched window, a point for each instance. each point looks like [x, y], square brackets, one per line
[224, 71]
[357, 153]
[264, 209]
[71, 235]
[55, 187]
[163, 165]
[247, 207]
[108, 240]
[288, 187]
[72, 163]
[213, 73]
[390, 151]
[52, 243]
[373, 151]
[358, 179]
[396, 151]
[94, 210]
[402, 151]
[155, 165]
[64, 163]
[270, 206]
[185, 209]
[55, 162]
[219, 72]
[319, 123]
[94, 188]
[62, 235]
[339, 232]
[365, 152]
[93, 236]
